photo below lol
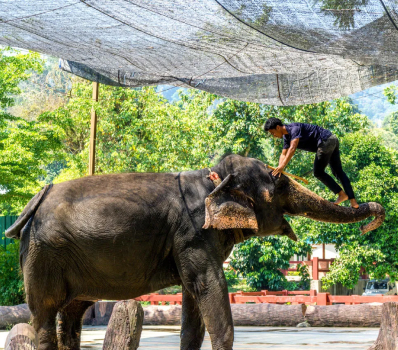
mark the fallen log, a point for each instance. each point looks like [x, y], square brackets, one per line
[162, 315]
[388, 333]
[363, 315]
[267, 314]
[22, 337]
[242, 314]
[11, 315]
[125, 326]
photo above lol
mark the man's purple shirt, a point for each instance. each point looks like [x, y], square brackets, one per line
[311, 136]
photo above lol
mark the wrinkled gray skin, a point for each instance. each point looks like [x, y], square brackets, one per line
[124, 235]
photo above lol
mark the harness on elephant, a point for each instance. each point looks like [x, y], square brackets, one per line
[238, 233]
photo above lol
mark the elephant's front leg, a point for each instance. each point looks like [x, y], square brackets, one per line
[204, 279]
[192, 325]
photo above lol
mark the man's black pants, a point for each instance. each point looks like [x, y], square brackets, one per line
[328, 153]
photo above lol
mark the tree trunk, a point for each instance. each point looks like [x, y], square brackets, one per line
[388, 334]
[22, 337]
[10, 315]
[267, 314]
[125, 326]
[364, 315]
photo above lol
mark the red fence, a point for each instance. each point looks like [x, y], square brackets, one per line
[308, 297]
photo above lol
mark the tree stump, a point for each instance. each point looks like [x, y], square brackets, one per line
[22, 337]
[125, 326]
[388, 334]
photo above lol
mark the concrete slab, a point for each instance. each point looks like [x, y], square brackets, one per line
[246, 338]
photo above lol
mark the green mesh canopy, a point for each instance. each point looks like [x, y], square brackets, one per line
[275, 52]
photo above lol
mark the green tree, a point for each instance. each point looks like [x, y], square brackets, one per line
[138, 130]
[390, 123]
[260, 260]
[15, 67]
[11, 282]
[26, 147]
[391, 93]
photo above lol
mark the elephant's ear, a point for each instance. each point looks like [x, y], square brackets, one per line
[228, 208]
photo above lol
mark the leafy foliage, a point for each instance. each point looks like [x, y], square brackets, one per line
[390, 123]
[26, 147]
[15, 67]
[11, 286]
[231, 277]
[138, 130]
[391, 93]
[259, 260]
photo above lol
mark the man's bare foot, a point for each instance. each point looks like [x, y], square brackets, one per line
[354, 203]
[342, 196]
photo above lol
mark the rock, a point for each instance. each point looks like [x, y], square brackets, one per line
[303, 324]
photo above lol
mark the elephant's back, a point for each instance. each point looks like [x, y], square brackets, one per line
[110, 207]
[122, 185]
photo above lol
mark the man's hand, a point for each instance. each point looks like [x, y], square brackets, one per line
[278, 170]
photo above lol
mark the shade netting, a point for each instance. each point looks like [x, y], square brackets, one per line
[271, 51]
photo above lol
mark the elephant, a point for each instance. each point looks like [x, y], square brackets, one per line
[119, 236]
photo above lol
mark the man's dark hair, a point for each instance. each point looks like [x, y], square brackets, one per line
[272, 123]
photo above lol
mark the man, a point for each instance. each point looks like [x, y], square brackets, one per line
[313, 138]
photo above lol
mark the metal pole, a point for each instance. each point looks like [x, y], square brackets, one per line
[93, 132]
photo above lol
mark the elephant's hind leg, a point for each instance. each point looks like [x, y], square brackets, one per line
[70, 324]
[45, 294]
[43, 319]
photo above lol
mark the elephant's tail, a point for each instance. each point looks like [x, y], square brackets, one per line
[14, 231]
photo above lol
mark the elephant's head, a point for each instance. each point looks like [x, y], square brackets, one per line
[249, 197]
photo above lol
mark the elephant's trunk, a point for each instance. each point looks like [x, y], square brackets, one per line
[303, 202]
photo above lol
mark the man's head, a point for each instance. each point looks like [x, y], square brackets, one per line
[275, 127]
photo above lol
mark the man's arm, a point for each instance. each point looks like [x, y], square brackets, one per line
[285, 157]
